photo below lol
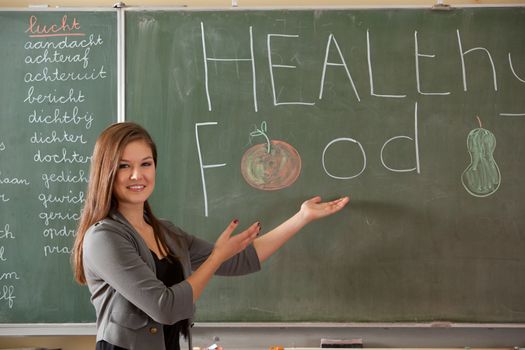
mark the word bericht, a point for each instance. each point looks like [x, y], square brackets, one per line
[71, 97]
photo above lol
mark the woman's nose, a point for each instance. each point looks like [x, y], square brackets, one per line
[136, 174]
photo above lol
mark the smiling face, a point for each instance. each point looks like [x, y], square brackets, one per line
[135, 177]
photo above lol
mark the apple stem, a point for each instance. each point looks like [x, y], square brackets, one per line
[479, 121]
[262, 132]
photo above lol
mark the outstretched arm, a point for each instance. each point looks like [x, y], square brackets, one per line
[311, 210]
[226, 246]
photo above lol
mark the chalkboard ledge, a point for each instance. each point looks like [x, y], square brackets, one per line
[47, 329]
[35, 329]
[436, 324]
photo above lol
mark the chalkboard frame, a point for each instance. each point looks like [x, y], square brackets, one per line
[33, 329]
[49, 328]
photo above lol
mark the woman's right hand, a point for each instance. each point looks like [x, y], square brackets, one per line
[227, 245]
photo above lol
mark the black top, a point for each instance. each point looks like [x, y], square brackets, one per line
[169, 273]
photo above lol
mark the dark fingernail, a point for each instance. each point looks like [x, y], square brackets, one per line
[235, 221]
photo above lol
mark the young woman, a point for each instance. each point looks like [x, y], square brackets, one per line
[145, 274]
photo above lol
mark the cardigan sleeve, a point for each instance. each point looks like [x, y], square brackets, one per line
[110, 256]
[199, 249]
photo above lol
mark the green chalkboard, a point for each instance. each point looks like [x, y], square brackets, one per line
[58, 90]
[380, 105]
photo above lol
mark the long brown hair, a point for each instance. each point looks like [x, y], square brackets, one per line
[99, 198]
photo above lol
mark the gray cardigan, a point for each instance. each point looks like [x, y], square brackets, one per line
[131, 304]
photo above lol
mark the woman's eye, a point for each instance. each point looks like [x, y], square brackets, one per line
[146, 164]
[123, 166]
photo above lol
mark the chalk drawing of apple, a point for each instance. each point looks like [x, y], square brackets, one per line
[270, 166]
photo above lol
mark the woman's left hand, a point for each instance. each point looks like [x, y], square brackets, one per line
[314, 209]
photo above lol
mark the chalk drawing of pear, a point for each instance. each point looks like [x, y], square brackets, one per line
[482, 177]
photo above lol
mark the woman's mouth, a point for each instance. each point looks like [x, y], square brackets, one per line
[136, 188]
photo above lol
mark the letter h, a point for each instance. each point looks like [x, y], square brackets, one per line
[206, 59]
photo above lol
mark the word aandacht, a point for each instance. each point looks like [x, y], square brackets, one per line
[66, 43]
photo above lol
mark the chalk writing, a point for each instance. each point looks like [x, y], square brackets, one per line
[46, 140]
[35, 29]
[371, 74]
[65, 157]
[418, 78]
[204, 166]
[7, 294]
[9, 276]
[206, 59]
[343, 139]
[520, 79]
[4, 180]
[331, 39]
[417, 168]
[64, 177]
[6, 233]
[50, 250]
[58, 57]
[60, 216]
[61, 117]
[52, 232]
[65, 43]
[58, 75]
[462, 57]
[273, 65]
[418, 57]
[71, 97]
[46, 199]
[39, 137]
